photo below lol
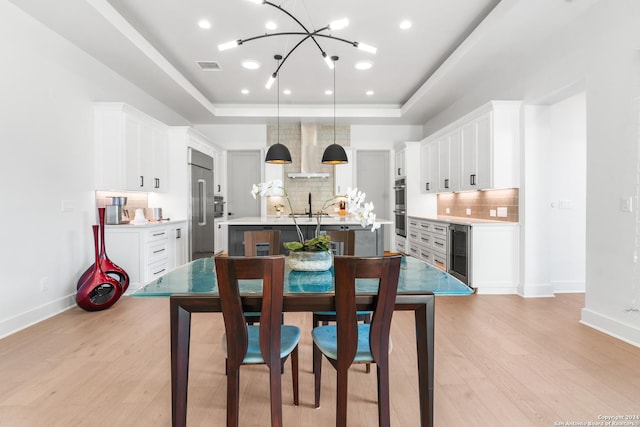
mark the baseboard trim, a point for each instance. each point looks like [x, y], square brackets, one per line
[613, 327]
[536, 291]
[38, 314]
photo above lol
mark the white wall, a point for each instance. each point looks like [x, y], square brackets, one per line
[599, 51]
[46, 132]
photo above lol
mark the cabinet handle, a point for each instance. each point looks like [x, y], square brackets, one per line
[446, 183]
[219, 190]
[157, 181]
[178, 233]
[472, 179]
[427, 187]
[141, 181]
[158, 234]
[159, 271]
[438, 244]
[158, 251]
[438, 228]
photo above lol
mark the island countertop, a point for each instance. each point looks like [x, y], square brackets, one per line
[287, 220]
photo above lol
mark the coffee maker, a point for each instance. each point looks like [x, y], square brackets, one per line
[116, 213]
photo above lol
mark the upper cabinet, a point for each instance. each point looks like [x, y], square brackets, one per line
[131, 149]
[400, 169]
[478, 152]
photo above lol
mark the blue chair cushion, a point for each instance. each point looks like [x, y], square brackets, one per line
[289, 338]
[333, 313]
[326, 338]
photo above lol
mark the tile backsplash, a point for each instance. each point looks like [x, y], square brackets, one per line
[321, 189]
[481, 204]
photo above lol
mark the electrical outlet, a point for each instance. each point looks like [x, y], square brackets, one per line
[44, 284]
[626, 204]
[67, 206]
[447, 211]
[468, 211]
[502, 212]
[492, 212]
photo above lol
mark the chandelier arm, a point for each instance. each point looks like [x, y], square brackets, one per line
[299, 23]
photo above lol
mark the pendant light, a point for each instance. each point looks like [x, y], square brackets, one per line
[334, 154]
[278, 153]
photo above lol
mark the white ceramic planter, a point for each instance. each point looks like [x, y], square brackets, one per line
[310, 261]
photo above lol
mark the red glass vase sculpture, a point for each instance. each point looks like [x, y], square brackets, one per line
[107, 266]
[98, 291]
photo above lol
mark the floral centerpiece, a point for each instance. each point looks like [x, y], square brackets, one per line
[321, 243]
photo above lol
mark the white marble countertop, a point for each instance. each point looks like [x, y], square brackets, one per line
[148, 224]
[287, 220]
[465, 220]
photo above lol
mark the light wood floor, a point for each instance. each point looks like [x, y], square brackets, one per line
[500, 361]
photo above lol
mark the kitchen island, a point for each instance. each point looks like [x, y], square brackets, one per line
[367, 243]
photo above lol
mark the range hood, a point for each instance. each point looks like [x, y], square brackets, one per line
[308, 145]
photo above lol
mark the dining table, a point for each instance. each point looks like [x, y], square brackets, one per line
[192, 288]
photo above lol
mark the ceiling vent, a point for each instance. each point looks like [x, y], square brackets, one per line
[209, 65]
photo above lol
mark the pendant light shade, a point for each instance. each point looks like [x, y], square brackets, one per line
[334, 154]
[278, 153]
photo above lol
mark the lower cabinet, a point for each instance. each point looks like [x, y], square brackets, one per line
[219, 236]
[367, 243]
[427, 240]
[147, 252]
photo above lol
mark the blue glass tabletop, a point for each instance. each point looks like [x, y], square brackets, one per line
[198, 277]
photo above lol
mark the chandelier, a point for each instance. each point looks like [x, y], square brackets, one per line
[314, 36]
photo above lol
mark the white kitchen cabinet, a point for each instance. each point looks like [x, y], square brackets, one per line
[429, 166]
[495, 258]
[220, 236]
[343, 175]
[400, 166]
[219, 172]
[482, 150]
[146, 252]
[131, 149]
[449, 163]
[427, 241]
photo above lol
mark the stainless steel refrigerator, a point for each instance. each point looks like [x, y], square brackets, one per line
[201, 227]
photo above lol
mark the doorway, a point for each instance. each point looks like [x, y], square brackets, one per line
[375, 184]
[243, 170]
[555, 196]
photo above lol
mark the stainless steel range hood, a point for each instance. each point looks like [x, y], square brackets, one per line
[308, 144]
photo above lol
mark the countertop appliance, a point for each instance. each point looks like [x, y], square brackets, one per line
[201, 227]
[400, 209]
[115, 212]
[460, 252]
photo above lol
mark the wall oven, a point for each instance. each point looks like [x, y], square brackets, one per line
[400, 210]
[218, 206]
[460, 252]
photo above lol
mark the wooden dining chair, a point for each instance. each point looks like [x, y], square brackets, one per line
[342, 243]
[270, 343]
[260, 243]
[348, 342]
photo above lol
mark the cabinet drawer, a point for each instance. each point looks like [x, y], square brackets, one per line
[425, 255]
[439, 243]
[156, 270]
[439, 260]
[414, 250]
[157, 234]
[413, 234]
[401, 245]
[157, 251]
[413, 223]
[439, 229]
[425, 239]
[424, 226]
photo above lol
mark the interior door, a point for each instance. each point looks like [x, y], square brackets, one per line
[376, 185]
[243, 170]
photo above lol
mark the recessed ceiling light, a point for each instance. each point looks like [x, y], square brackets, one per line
[245, 91]
[369, 92]
[287, 91]
[204, 24]
[328, 92]
[250, 64]
[363, 65]
[271, 26]
[405, 25]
